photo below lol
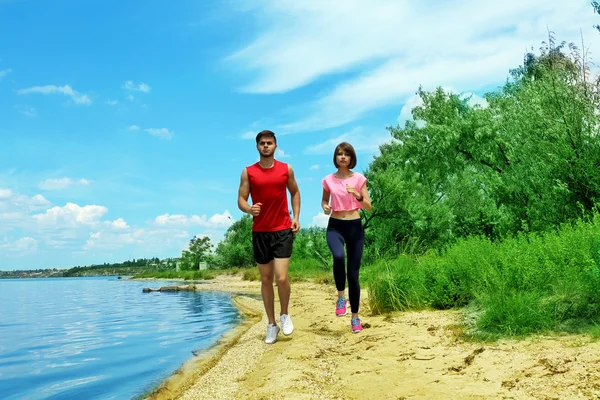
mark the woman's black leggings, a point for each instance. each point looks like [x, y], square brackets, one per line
[350, 233]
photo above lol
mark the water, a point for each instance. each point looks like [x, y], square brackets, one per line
[100, 338]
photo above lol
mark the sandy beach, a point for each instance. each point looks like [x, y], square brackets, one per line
[403, 355]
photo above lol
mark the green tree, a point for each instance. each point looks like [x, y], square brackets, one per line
[311, 243]
[199, 250]
[527, 161]
[235, 250]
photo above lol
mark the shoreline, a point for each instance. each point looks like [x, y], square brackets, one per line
[198, 365]
[194, 368]
[417, 354]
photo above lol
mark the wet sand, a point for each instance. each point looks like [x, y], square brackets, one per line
[398, 356]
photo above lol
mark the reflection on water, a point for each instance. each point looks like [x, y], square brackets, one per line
[86, 338]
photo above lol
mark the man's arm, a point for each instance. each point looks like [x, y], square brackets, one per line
[292, 186]
[244, 193]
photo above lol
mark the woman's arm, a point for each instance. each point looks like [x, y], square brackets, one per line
[325, 202]
[366, 200]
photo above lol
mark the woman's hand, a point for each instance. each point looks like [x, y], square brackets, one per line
[326, 209]
[352, 191]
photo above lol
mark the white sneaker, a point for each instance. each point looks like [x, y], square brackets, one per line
[272, 332]
[286, 324]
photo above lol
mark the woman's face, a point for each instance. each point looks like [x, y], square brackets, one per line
[343, 158]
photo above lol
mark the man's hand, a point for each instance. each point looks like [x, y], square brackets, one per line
[255, 209]
[295, 226]
[326, 209]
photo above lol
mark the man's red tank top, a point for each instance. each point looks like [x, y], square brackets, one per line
[268, 186]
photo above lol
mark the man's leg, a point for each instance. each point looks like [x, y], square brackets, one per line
[283, 283]
[266, 289]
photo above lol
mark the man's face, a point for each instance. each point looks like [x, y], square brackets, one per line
[266, 146]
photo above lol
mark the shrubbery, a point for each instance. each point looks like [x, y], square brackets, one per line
[527, 283]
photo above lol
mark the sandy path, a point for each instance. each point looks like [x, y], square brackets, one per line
[400, 356]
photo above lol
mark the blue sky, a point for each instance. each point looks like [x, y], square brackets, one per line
[125, 125]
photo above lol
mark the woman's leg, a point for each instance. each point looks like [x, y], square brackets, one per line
[355, 243]
[335, 241]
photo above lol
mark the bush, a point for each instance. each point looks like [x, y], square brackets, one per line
[524, 284]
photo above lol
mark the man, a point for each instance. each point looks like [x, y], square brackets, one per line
[272, 228]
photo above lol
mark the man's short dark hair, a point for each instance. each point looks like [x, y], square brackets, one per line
[347, 148]
[265, 133]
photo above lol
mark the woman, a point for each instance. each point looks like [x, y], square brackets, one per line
[344, 193]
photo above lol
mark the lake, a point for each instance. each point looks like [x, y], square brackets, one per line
[100, 338]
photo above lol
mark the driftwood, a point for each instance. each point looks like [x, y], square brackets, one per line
[178, 288]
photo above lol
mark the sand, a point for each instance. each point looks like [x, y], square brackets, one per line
[404, 355]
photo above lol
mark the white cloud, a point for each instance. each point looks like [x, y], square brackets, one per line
[260, 124]
[249, 135]
[120, 224]
[281, 154]
[71, 214]
[363, 142]
[11, 202]
[77, 233]
[314, 167]
[320, 220]
[162, 133]
[216, 221]
[379, 52]
[22, 245]
[8, 217]
[5, 72]
[66, 90]
[406, 110]
[144, 87]
[112, 102]
[26, 110]
[476, 100]
[61, 183]
[147, 239]
[130, 97]
[141, 87]
[5, 193]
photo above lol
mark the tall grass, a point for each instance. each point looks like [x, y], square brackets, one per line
[395, 285]
[522, 285]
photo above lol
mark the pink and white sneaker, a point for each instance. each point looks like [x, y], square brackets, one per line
[355, 325]
[340, 307]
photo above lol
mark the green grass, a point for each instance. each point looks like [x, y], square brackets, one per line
[595, 332]
[251, 274]
[186, 275]
[522, 285]
[299, 270]
[304, 269]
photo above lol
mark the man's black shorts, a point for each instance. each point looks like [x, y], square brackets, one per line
[270, 245]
